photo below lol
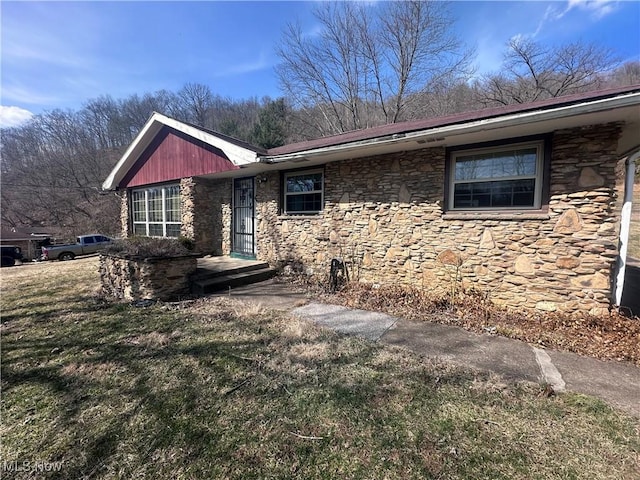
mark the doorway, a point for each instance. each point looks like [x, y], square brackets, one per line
[243, 218]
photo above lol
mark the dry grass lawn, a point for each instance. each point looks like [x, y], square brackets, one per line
[217, 389]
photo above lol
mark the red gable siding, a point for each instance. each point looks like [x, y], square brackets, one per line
[173, 155]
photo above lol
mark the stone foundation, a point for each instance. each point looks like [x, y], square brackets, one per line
[146, 279]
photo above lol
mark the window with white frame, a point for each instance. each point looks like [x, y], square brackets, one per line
[505, 177]
[303, 192]
[156, 212]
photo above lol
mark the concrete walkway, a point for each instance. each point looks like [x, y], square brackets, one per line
[617, 383]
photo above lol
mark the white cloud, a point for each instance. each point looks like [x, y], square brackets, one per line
[29, 95]
[13, 116]
[597, 8]
[550, 14]
[247, 67]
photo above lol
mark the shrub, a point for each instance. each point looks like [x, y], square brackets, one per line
[147, 247]
[187, 243]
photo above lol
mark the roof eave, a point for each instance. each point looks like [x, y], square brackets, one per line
[438, 135]
[131, 154]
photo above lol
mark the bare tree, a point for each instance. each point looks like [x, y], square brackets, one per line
[368, 62]
[420, 51]
[52, 169]
[532, 71]
[447, 97]
[626, 74]
[135, 110]
[195, 100]
[233, 117]
[317, 73]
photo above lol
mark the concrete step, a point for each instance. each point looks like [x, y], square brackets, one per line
[230, 279]
[211, 272]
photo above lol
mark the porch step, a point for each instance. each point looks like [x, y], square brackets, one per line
[203, 273]
[209, 282]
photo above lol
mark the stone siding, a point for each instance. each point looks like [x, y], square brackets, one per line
[146, 279]
[206, 214]
[385, 216]
[124, 215]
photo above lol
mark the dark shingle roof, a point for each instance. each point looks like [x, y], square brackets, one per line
[416, 125]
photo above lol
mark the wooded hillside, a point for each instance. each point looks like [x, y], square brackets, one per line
[53, 166]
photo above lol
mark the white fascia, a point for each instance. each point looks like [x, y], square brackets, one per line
[438, 133]
[236, 154]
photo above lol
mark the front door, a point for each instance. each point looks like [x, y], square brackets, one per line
[243, 217]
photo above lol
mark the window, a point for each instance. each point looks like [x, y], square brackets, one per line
[507, 177]
[303, 192]
[156, 211]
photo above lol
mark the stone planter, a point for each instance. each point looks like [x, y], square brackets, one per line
[139, 278]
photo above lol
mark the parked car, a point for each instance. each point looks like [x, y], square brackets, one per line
[85, 245]
[10, 253]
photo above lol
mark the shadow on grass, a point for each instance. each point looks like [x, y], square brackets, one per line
[127, 392]
[158, 398]
[136, 389]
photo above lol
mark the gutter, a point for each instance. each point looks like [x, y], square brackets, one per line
[625, 225]
[440, 133]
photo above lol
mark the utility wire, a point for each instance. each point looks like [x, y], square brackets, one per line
[2, 185]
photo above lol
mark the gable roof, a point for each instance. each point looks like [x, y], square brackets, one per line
[237, 151]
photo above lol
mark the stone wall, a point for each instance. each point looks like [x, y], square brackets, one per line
[124, 215]
[152, 279]
[385, 215]
[222, 238]
[206, 214]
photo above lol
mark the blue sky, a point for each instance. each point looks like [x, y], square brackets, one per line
[60, 54]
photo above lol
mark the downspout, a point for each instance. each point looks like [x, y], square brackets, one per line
[625, 224]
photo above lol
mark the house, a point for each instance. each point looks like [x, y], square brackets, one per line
[526, 202]
[30, 240]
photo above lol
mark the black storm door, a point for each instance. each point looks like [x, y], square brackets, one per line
[243, 217]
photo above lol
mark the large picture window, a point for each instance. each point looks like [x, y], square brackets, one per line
[303, 192]
[156, 212]
[506, 177]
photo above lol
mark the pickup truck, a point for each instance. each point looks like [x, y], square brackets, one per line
[85, 245]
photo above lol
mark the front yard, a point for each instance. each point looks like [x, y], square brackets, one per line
[217, 389]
